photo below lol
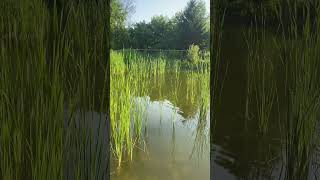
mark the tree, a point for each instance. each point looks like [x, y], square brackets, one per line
[187, 27]
[120, 10]
[141, 35]
[192, 25]
[162, 32]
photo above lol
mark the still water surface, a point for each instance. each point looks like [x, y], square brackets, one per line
[170, 150]
[175, 142]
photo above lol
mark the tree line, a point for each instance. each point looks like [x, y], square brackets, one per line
[269, 11]
[189, 26]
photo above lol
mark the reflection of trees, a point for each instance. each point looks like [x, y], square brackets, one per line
[163, 88]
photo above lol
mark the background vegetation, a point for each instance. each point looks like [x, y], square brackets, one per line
[190, 26]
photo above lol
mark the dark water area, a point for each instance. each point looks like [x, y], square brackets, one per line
[239, 150]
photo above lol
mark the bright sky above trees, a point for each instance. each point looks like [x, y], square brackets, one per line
[145, 9]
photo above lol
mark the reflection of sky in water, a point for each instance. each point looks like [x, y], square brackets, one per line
[169, 140]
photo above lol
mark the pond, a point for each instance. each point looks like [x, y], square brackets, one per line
[239, 150]
[170, 149]
[168, 133]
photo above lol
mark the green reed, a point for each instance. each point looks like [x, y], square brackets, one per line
[261, 83]
[300, 58]
[47, 64]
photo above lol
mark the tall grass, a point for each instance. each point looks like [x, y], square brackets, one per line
[48, 71]
[261, 78]
[299, 54]
[301, 69]
[297, 62]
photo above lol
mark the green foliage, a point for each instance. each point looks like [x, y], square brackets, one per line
[206, 55]
[193, 54]
[118, 14]
[190, 26]
[117, 24]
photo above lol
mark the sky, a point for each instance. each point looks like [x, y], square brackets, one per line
[145, 9]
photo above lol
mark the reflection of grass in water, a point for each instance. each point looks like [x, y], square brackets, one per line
[130, 79]
[201, 137]
[38, 56]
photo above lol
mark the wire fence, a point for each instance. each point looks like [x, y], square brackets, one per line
[156, 50]
[165, 53]
[168, 53]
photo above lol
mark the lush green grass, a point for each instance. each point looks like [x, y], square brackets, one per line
[49, 66]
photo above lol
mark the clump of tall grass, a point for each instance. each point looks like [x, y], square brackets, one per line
[261, 83]
[127, 114]
[49, 61]
[120, 115]
[301, 69]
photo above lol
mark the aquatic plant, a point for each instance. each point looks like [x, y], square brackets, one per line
[49, 66]
[301, 65]
[261, 84]
[193, 54]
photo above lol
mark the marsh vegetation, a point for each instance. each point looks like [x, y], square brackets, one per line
[276, 107]
[53, 89]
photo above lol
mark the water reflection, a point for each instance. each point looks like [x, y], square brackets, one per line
[168, 150]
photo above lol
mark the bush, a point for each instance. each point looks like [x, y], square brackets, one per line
[193, 54]
[206, 55]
